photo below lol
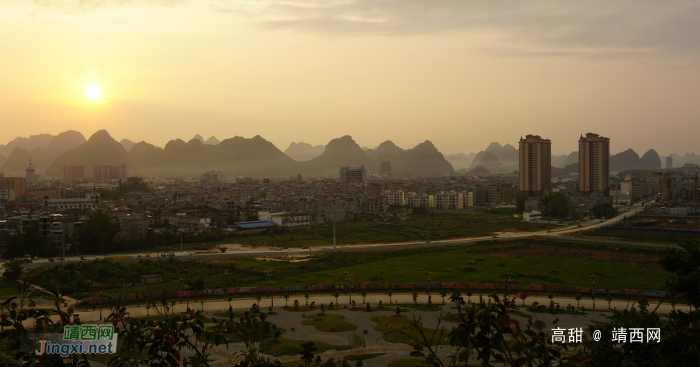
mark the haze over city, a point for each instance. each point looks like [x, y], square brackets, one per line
[461, 74]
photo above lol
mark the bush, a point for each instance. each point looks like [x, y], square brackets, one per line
[364, 331]
[292, 329]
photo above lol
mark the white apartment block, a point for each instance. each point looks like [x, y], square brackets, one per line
[414, 200]
[291, 219]
[183, 220]
[395, 197]
[90, 201]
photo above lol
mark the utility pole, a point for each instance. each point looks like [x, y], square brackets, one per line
[94, 290]
[333, 225]
[507, 274]
[593, 289]
[179, 288]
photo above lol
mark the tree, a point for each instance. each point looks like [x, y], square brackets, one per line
[307, 298]
[520, 203]
[258, 298]
[415, 298]
[604, 210]
[522, 296]
[202, 303]
[296, 304]
[148, 307]
[684, 265]
[556, 204]
[336, 294]
[12, 270]
[307, 353]
[578, 300]
[286, 298]
[357, 342]
[363, 294]
[390, 293]
[98, 230]
[229, 299]
[609, 299]
[443, 294]
[469, 294]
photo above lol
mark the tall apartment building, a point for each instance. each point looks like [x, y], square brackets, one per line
[535, 165]
[108, 172]
[30, 173]
[19, 184]
[353, 174]
[669, 162]
[72, 172]
[594, 164]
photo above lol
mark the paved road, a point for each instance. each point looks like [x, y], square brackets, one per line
[246, 303]
[240, 251]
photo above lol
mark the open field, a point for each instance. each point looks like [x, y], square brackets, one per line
[553, 262]
[444, 225]
[639, 236]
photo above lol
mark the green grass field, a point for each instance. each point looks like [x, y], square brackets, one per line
[641, 236]
[554, 262]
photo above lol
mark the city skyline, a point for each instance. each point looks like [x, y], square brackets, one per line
[311, 72]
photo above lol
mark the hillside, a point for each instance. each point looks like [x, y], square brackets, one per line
[101, 148]
[303, 151]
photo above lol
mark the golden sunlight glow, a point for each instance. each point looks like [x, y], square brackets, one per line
[92, 91]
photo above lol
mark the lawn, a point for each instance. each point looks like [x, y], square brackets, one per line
[379, 308]
[641, 236]
[328, 322]
[397, 329]
[554, 262]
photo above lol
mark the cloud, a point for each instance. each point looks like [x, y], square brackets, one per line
[601, 27]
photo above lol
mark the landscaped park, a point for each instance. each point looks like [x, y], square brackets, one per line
[289, 308]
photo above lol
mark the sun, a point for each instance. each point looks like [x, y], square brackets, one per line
[92, 91]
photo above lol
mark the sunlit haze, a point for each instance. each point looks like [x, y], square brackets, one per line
[459, 73]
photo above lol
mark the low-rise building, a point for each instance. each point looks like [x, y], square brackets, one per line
[90, 201]
[291, 219]
[182, 220]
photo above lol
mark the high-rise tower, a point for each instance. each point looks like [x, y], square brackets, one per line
[535, 155]
[594, 164]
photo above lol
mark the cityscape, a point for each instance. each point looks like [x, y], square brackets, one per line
[383, 184]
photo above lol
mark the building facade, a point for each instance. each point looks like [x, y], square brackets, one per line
[72, 172]
[30, 173]
[90, 201]
[213, 176]
[18, 184]
[108, 172]
[353, 175]
[594, 164]
[669, 162]
[535, 155]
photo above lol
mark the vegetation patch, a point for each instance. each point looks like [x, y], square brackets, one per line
[409, 363]
[361, 357]
[398, 329]
[328, 322]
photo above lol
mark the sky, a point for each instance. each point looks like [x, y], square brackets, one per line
[460, 73]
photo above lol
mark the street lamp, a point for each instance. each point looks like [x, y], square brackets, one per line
[428, 279]
[507, 274]
[350, 297]
[346, 282]
[272, 293]
[94, 289]
[189, 289]
[100, 305]
[593, 288]
[179, 288]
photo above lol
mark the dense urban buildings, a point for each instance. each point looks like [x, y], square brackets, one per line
[72, 172]
[108, 172]
[213, 176]
[353, 174]
[535, 165]
[18, 184]
[594, 164]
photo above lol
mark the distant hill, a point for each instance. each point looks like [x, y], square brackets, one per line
[101, 148]
[64, 142]
[557, 160]
[571, 168]
[339, 152]
[627, 159]
[18, 161]
[650, 160]
[127, 144]
[479, 169]
[571, 159]
[304, 151]
[460, 160]
[424, 158]
[212, 141]
[35, 141]
[490, 161]
[145, 156]
[507, 159]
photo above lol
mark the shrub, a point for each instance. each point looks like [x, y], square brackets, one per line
[364, 331]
